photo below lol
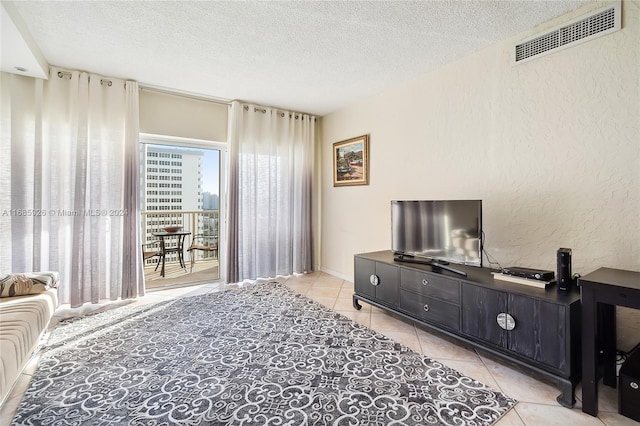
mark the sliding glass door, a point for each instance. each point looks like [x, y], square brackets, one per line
[182, 207]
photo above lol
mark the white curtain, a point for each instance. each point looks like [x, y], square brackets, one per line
[74, 183]
[132, 268]
[271, 169]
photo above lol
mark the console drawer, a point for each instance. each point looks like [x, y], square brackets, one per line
[430, 309]
[430, 285]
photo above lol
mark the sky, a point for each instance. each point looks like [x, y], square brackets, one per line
[211, 171]
[356, 147]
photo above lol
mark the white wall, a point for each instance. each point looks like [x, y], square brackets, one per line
[551, 146]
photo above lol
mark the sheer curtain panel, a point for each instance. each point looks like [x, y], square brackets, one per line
[271, 169]
[132, 267]
[71, 182]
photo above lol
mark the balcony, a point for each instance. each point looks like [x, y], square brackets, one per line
[204, 223]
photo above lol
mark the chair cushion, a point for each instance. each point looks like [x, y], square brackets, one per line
[27, 283]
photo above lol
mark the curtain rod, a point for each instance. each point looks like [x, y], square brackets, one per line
[280, 112]
[102, 80]
[162, 90]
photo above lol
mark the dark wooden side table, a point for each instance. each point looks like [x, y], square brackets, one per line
[177, 248]
[601, 291]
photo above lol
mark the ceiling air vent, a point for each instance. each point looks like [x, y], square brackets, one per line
[593, 25]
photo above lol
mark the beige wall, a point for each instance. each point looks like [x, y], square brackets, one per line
[174, 115]
[551, 146]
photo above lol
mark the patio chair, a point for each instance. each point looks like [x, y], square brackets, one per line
[204, 243]
[150, 250]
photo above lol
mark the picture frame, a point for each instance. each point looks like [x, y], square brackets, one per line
[351, 161]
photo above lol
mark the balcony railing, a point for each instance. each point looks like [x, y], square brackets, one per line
[197, 222]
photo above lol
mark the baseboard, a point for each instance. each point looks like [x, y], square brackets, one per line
[336, 274]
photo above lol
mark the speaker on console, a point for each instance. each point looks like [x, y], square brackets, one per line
[629, 387]
[564, 269]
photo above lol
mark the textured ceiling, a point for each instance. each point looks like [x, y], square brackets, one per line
[313, 57]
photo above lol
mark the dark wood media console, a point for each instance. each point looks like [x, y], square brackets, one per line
[533, 328]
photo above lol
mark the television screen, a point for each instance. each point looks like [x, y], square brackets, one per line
[448, 231]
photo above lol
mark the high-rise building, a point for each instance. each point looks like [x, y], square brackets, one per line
[210, 201]
[172, 183]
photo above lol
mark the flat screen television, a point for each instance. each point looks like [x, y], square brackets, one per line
[438, 231]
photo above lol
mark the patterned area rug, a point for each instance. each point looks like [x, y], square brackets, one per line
[258, 355]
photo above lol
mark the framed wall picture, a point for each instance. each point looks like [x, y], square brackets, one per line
[351, 162]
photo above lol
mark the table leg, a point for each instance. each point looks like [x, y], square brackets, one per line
[164, 254]
[608, 320]
[178, 249]
[589, 352]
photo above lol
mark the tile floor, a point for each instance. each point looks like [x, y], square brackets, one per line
[537, 400]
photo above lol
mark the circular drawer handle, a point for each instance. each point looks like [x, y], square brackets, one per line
[506, 321]
[426, 308]
[425, 281]
[633, 385]
[374, 279]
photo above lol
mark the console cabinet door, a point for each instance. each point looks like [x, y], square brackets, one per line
[480, 309]
[387, 277]
[388, 289]
[363, 270]
[540, 331]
